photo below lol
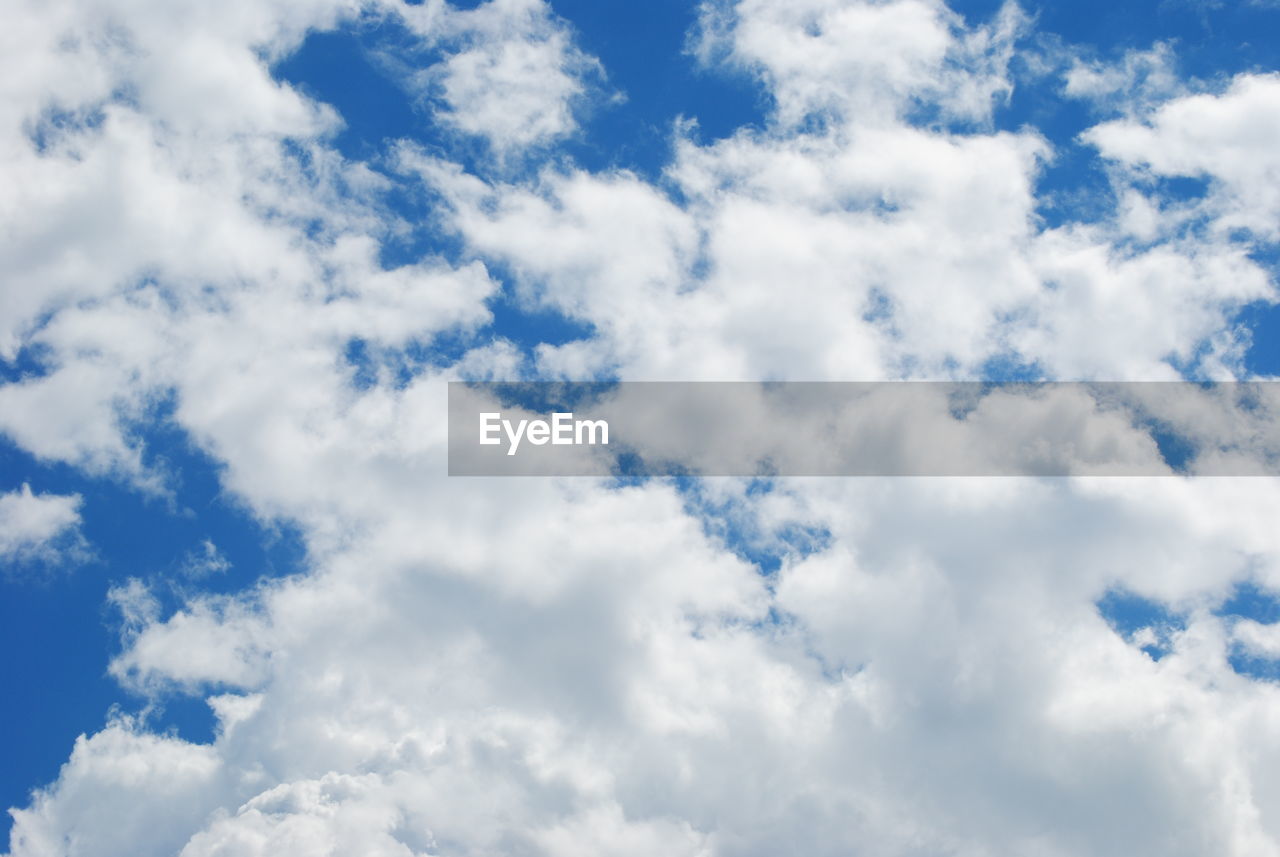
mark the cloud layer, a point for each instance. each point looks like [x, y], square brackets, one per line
[472, 667]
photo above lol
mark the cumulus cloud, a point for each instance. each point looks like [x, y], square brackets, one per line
[923, 245]
[107, 776]
[510, 74]
[578, 666]
[1224, 138]
[39, 527]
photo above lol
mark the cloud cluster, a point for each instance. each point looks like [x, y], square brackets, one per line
[919, 236]
[543, 667]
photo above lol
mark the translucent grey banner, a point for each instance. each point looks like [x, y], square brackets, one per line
[897, 428]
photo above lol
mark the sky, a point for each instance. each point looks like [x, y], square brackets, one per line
[246, 245]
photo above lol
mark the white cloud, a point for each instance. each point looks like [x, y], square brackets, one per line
[1140, 79]
[189, 223]
[1225, 138]
[1258, 639]
[108, 777]
[922, 246]
[559, 667]
[204, 562]
[923, 692]
[865, 60]
[207, 645]
[39, 527]
[510, 75]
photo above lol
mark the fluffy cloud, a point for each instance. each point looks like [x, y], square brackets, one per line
[511, 75]
[870, 60]
[1223, 138]
[39, 526]
[558, 667]
[922, 244]
[919, 692]
[108, 775]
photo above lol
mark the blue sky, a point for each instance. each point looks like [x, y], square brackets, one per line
[62, 625]
[165, 460]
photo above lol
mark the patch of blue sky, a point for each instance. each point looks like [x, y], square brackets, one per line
[1176, 450]
[1128, 614]
[642, 47]
[57, 623]
[30, 362]
[1254, 666]
[1250, 601]
[1150, 624]
[1262, 320]
[55, 124]
[1190, 364]
[368, 366]
[1011, 367]
[362, 364]
[737, 526]
[338, 68]
[519, 317]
